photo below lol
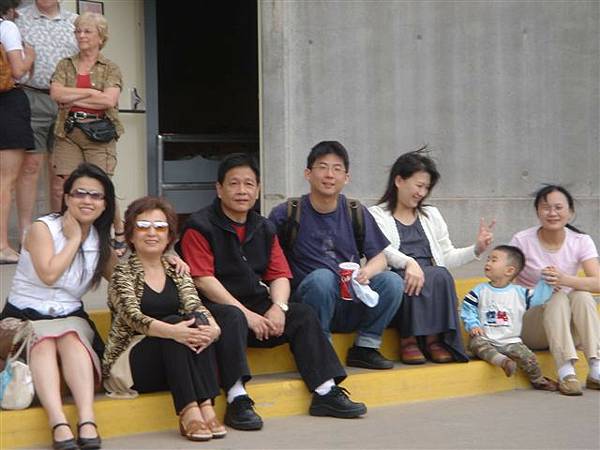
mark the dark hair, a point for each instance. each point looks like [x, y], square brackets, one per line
[5, 5]
[405, 167]
[542, 195]
[327, 148]
[148, 203]
[102, 223]
[515, 256]
[237, 160]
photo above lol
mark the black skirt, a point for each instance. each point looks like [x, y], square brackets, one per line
[15, 121]
[433, 311]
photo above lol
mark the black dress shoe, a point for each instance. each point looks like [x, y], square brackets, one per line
[67, 444]
[88, 443]
[240, 414]
[368, 358]
[336, 403]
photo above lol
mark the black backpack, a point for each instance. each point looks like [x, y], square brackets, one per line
[290, 229]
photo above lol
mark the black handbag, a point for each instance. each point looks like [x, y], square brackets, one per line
[101, 130]
[200, 318]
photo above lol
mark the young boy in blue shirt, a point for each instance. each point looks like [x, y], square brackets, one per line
[492, 314]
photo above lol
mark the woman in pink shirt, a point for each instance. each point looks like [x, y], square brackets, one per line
[555, 250]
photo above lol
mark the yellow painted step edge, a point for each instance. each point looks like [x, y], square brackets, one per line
[283, 395]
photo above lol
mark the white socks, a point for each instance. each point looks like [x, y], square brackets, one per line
[594, 368]
[236, 390]
[325, 387]
[566, 369]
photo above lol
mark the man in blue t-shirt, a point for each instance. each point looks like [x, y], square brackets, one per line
[324, 238]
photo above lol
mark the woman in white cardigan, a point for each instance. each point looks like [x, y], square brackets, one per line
[420, 250]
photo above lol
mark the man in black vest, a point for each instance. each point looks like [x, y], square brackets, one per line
[239, 267]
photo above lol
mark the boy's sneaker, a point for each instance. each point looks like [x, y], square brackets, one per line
[336, 404]
[368, 358]
[240, 414]
[509, 367]
[545, 384]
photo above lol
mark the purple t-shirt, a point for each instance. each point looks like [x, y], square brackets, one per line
[325, 240]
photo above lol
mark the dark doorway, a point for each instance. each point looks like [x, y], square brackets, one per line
[208, 67]
[207, 78]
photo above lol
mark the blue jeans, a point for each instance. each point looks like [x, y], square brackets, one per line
[321, 290]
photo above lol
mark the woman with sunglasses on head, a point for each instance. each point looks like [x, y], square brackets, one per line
[555, 250]
[161, 333]
[64, 255]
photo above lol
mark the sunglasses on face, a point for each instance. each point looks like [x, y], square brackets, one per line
[82, 193]
[144, 225]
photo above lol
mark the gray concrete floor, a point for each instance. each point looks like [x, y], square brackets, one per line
[523, 419]
[511, 420]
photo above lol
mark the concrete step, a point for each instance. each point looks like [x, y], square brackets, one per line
[282, 394]
[279, 391]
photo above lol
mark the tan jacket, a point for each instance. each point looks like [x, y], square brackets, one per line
[124, 295]
[103, 74]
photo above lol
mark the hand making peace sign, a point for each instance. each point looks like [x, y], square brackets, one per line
[484, 236]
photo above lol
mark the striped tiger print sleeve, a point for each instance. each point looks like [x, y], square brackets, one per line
[125, 302]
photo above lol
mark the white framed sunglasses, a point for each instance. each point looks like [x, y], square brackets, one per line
[159, 225]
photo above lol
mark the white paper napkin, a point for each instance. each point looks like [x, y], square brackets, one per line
[364, 292]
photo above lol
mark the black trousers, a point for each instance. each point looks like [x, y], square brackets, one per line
[315, 357]
[159, 364]
[231, 347]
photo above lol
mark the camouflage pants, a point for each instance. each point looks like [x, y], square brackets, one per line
[518, 352]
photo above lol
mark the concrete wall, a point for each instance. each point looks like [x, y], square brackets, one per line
[504, 93]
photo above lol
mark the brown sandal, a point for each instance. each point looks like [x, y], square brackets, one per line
[195, 430]
[217, 429]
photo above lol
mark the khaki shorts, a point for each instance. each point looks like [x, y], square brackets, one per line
[76, 148]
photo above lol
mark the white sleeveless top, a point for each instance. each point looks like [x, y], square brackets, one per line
[64, 296]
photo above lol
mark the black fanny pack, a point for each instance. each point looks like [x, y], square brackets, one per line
[101, 130]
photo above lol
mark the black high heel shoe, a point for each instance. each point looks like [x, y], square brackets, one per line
[88, 443]
[67, 444]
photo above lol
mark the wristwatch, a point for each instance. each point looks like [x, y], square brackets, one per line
[284, 306]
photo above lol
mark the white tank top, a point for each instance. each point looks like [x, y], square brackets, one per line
[64, 296]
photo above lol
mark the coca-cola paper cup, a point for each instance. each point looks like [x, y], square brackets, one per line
[346, 271]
